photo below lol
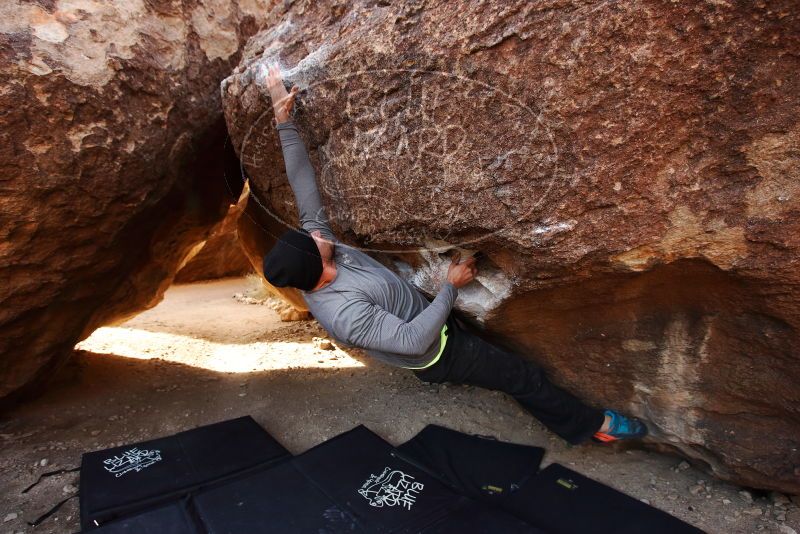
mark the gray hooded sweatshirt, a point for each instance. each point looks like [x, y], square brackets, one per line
[367, 305]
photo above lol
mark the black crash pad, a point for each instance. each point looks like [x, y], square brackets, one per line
[232, 477]
[561, 501]
[174, 518]
[477, 466]
[556, 499]
[122, 480]
[354, 482]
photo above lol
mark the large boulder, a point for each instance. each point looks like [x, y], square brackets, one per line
[111, 146]
[628, 169]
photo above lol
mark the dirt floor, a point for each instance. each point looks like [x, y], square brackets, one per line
[202, 356]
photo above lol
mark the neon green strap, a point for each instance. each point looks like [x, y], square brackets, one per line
[442, 342]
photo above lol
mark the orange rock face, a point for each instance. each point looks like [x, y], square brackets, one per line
[629, 169]
[220, 255]
[111, 144]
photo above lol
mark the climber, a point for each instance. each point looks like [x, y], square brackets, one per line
[363, 304]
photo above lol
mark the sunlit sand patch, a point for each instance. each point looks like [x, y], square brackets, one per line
[221, 357]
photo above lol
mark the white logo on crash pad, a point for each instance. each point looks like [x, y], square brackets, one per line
[391, 488]
[131, 460]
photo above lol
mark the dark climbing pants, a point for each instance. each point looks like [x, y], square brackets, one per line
[468, 359]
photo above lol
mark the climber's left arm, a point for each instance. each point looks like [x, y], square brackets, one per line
[298, 165]
[303, 181]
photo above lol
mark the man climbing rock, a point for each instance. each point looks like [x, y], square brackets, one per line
[363, 304]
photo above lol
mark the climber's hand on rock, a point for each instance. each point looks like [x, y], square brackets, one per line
[282, 101]
[461, 273]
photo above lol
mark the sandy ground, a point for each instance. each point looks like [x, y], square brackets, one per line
[202, 356]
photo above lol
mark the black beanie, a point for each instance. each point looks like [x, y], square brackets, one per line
[294, 261]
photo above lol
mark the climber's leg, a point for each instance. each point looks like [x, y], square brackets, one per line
[468, 359]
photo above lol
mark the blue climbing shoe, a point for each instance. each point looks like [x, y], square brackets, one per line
[621, 427]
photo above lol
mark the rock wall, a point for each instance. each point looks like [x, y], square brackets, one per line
[111, 142]
[628, 169]
[257, 231]
[220, 255]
